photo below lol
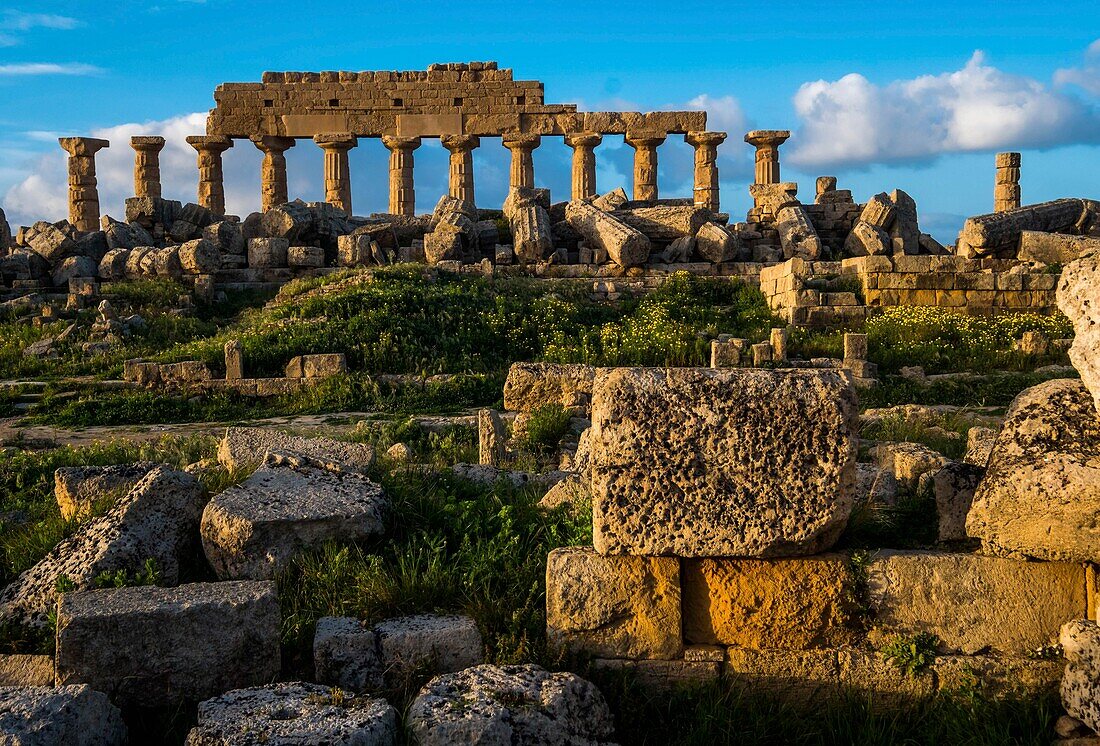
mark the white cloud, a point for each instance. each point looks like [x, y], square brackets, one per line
[49, 68]
[19, 21]
[1087, 76]
[854, 122]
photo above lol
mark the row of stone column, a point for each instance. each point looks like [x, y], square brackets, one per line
[84, 202]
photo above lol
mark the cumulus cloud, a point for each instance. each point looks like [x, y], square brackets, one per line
[854, 122]
[1086, 76]
[49, 68]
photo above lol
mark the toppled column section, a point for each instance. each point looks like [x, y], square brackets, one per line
[337, 170]
[998, 234]
[211, 194]
[83, 189]
[529, 221]
[273, 188]
[706, 465]
[1006, 194]
[626, 246]
[147, 165]
[797, 235]
[645, 162]
[706, 167]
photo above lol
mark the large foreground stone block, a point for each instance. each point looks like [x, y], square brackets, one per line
[245, 448]
[290, 504]
[293, 712]
[1079, 298]
[155, 646]
[156, 520]
[533, 385]
[1041, 491]
[755, 603]
[698, 462]
[78, 488]
[972, 602]
[510, 705]
[613, 607]
[69, 715]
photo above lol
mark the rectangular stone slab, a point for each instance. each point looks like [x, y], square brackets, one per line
[154, 646]
[699, 462]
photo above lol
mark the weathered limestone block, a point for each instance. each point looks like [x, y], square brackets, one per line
[532, 239]
[717, 244]
[792, 675]
[354, 250]
[612, 200]
[904, 232]
[796, 233]
[155, 646]
[121, 235]
[997, 674]
[113, 264]
[165, 262]
[879, 212]
[449, 205]
[867, 240]
[74, 266]
[234, 360]
[305, 256]
[200, 257]
[998, 233]
[664, 223]
[78, 488]
[973, 602]
[626, 246]
[49, 241]
[740, 462]
[293, 712]
[663, 677]
[267, 252]
[26, 670]
[190, 221]
[533, 385]
[291, 221]
[151, 212]
[346, 654]
[1040, 491]
[728, 353]
[246, 447]
[156, 520]
[444, 244]
[48, 716]
[866, 673]
[290, 504]
[613, 607]
[510, 705]
[227, 235]
[752, 603]
[953, 486]
[1080, 688]
[1055, 248]
[979, 445]
[908, 462]
[492, 438]
[1078, 291]
[427, 643]
[185, 373]
[321, 365]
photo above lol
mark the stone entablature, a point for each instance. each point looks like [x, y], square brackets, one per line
[454, 99]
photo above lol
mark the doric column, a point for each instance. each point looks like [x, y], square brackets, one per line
[522, 173]
[1006, 194]
[337, 170]
[706, 167]
[584, 163]
[147, 165]
[402, 191]
[767, 144]
[211, 178]
[462, 164]
[83, 193]
[273, 189]
[645, 163]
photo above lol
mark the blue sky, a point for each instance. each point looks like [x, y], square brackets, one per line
[883, 95]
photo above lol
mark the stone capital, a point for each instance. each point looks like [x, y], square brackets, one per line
[645, 139]
[460, 143]
[699, 139]
[147, 144]
[767, 138]
[82, 146]
[272, 143]
[336, 141]
[395, 142]
[210, 143]
[583, 139]
[521, 142]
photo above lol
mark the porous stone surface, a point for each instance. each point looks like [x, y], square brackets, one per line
[626, 246]
[69, 715]
[953, 487]
[1080, 639]
[503, 705]
[613, 607]
[78, 488]
[771, 604]
[533, 385]
[155, 646]
[26, 670]
[908, 462]
[1041, 490]
[293, 712]
[979, 444]
[1078, 294]
[971, 602]
[428, 643]
[345, 654]
[739, 462]
[245, 448]
[156, 520]
[290, 504]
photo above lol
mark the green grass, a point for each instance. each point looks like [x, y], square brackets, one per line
[545, 427]
[945, 434]
[992, 390]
